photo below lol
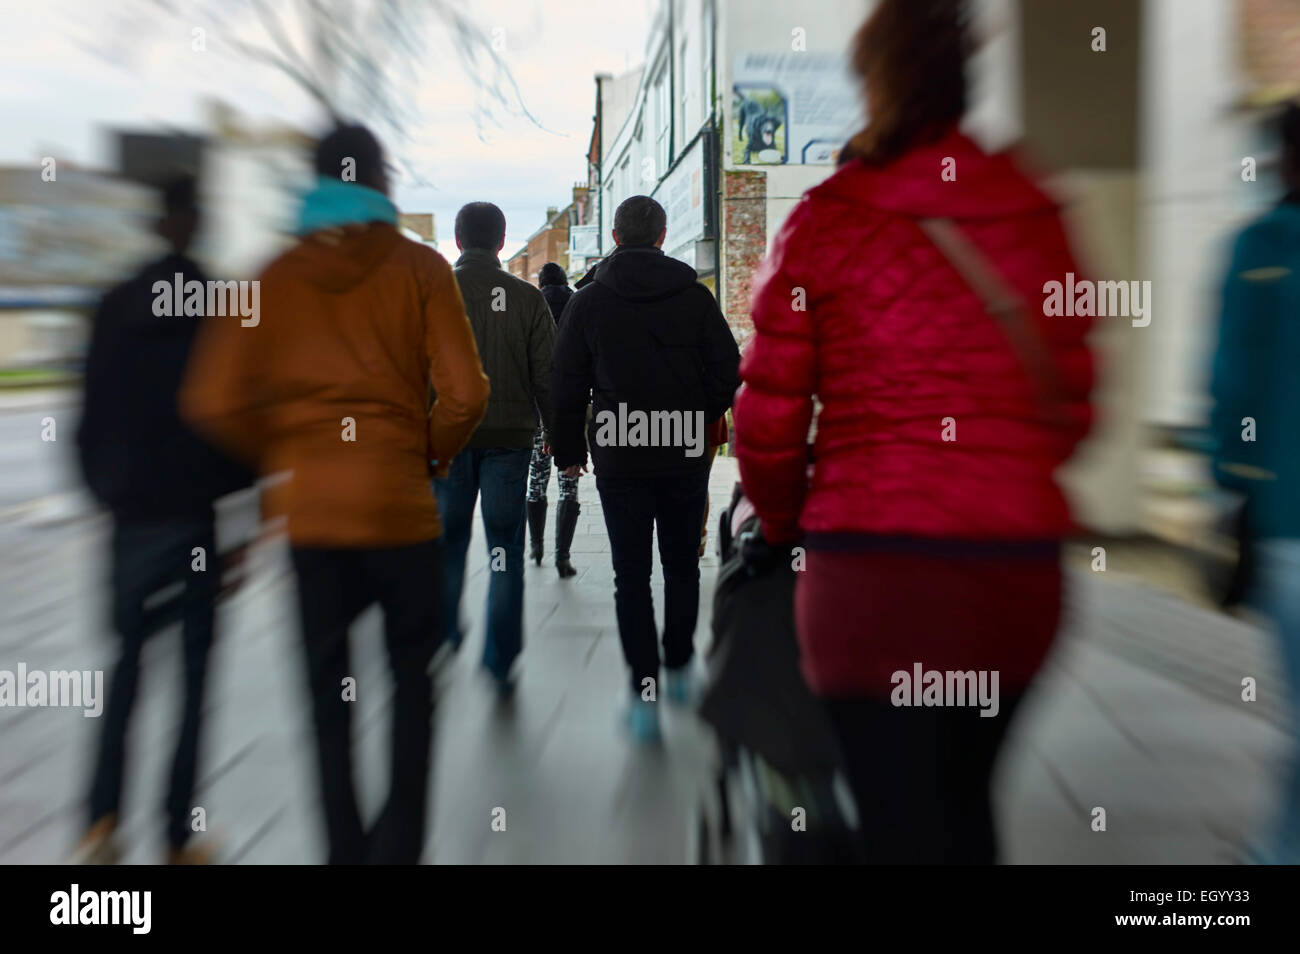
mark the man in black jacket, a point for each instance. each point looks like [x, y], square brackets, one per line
[159, 480]
[646, 345]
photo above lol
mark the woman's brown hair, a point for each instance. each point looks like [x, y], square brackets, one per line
[910, 56]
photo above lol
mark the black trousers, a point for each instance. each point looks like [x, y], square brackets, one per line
[334, 585]
[636, 508]
[149, 559]
[920, 777]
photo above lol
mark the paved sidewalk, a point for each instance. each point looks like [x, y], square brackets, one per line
[1138, 712]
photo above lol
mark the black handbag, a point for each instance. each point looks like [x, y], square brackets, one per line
[756, 697]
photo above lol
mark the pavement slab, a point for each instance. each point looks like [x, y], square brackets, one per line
[1138, 710]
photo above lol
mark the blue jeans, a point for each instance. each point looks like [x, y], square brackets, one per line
[1278, 595]
[501, 473]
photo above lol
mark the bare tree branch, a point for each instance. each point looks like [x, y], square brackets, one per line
[289, 69]
[359, 55]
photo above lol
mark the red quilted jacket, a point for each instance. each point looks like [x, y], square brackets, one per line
[856, 306]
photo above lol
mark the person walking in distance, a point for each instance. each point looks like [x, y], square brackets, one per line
[515, 332]
[646, 345]
[555, 289]
[331, 388]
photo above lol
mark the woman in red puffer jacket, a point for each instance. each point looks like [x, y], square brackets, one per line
[930, 516]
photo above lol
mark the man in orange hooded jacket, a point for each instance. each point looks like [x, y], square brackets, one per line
[330, 387]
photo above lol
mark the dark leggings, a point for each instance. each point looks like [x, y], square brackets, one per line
[920, 777]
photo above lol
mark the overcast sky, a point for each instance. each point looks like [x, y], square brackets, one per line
[70, 69]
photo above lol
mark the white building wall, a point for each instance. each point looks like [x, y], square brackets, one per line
[669, 106]
[1193, 198]
[759, 26]
[250, 204]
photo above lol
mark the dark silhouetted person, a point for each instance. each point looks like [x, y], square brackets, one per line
[159, 480]
[555, 289]
[646, 345]
[331, 388]
[515, 333]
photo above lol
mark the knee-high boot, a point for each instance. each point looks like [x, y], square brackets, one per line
[566, 521]
[536, 528]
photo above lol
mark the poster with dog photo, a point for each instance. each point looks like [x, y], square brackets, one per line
[761, 119]
[791, 108]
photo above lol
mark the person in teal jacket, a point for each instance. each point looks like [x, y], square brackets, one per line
[1255, 386]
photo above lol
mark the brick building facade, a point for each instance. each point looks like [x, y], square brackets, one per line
[550, 243]
[745, 226]
[547, 244]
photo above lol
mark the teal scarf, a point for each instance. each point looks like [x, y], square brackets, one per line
[333, 203]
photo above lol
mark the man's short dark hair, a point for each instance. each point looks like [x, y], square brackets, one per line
[480, 225]
[355, 142]
[552, 274]
[180, 195]
[639, 220]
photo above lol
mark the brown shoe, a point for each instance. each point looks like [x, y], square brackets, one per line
[99, 846]
[202, 853]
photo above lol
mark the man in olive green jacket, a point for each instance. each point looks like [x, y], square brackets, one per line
[515, 333]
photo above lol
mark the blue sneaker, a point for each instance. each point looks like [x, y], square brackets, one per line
[641, 719]
[683, 686]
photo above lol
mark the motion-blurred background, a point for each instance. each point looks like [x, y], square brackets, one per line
[1159, 143]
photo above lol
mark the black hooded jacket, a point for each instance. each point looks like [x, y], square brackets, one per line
[647, 336]
[138, 457]
[557, 296]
